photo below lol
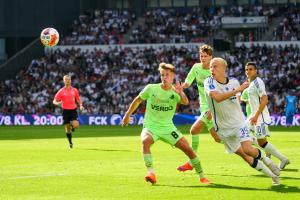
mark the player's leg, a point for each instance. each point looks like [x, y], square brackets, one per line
[74, 120]
[196, 129]
[257, 154]
[233, 145]
[147, 141]
[69, 134]
[67, 117]
[257, 164]
[184, 146]
[194, 132]
[271, 149]
[262, 132]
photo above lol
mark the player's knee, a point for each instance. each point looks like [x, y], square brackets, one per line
[146, 142]
[194, 130]
[262, 143]
[75, 124]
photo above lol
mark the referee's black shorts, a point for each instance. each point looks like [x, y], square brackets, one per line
[69, 115]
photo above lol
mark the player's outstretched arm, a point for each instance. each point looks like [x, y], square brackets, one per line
[226, 95]
[133, 106]
[178, 88]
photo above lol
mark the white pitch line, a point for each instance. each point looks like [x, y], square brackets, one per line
[37, 176]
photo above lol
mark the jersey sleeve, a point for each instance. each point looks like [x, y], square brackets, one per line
[145, 93]
[57, 96]
[209, 85]
[191, 76]
[77, 96]
[260, 85]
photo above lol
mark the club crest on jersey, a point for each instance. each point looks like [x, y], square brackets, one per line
[172, 96]
[211, 87]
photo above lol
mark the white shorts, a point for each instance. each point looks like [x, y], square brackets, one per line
[232, 138]
[261, 130]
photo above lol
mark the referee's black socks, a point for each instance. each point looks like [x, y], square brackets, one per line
[69, 136]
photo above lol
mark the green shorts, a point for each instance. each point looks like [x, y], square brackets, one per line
[169, 135]
[204, 118]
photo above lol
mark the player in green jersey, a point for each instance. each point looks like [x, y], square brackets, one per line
[162, 100]
[200, 71]
[245, 98]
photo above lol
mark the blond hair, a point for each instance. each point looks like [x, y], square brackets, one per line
[220, 60]
[166, 66]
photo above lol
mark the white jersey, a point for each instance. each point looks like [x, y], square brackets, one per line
[227, 114]
[256, 91]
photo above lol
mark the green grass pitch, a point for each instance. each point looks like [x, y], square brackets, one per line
[106, 163]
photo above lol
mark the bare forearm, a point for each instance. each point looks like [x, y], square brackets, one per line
[183, 98]
[223, 96]
[263, 103]
[134, 105]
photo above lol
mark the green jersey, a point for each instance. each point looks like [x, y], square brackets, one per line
[245, 98]
[200, 74]
[160, 107]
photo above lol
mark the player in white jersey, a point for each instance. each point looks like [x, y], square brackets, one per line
[222, 96]
[260, 117]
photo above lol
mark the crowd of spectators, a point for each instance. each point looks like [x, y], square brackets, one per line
[158, 25]
[289, 27]
[189, 25]
[108, 81]
[99, 27]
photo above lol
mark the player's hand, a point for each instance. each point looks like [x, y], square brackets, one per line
[253, 120]
[244, 86]
[125, 120]
[178, 87]
[81, 107]
[209, 115]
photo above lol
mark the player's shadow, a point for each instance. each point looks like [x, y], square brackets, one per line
[280, 188]
[113, 150]
[281, 177]
[290, 170]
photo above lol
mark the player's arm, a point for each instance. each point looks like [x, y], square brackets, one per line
[189, 79]
[77, 97]
[57, 99]
[179, 90]
[263, 102]
[56, 102]
[133, 106]
[185, 85]
[219, 97]
[261, 91]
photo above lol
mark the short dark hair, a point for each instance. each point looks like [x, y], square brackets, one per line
[251, 63]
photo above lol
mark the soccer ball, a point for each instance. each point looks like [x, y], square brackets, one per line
[49, 37]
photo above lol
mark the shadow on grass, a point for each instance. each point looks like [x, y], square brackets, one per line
[280, 188]
[290, 170]
[281, 177]
[117, 150]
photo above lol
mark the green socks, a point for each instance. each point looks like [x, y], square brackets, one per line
[148, 161]
[195, 142]
[197, 166]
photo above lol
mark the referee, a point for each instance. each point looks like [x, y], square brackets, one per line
[67, 97]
